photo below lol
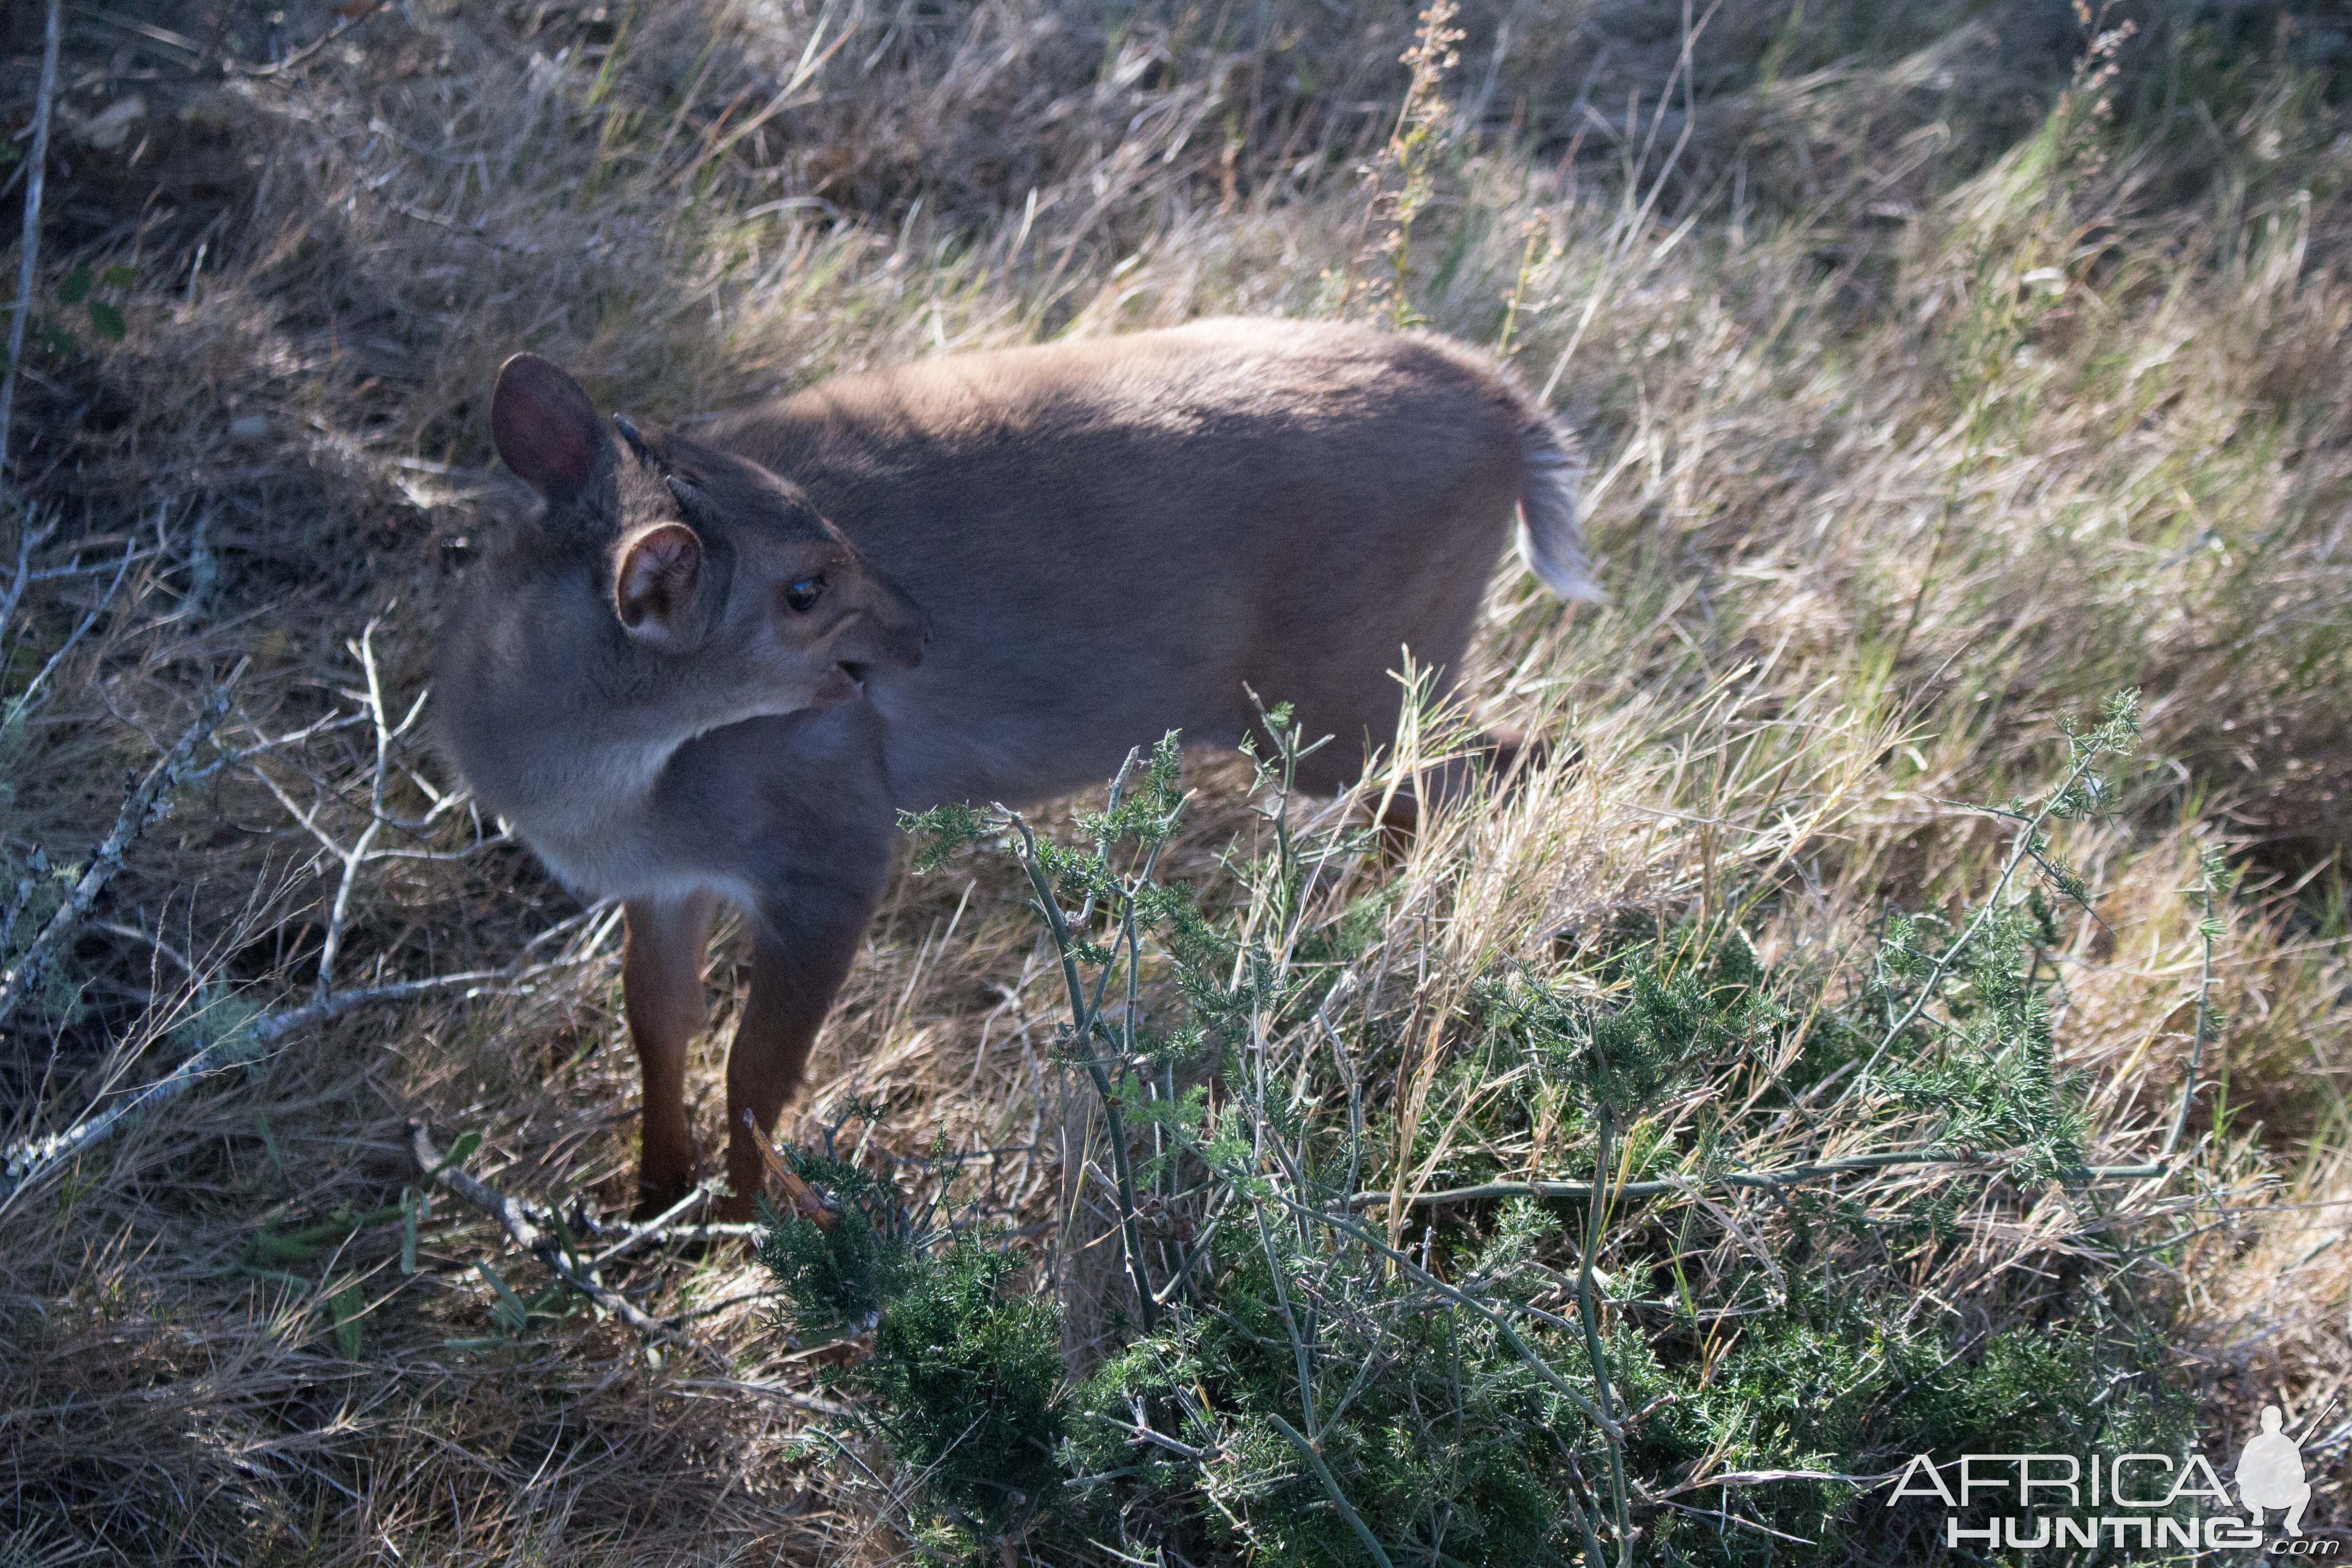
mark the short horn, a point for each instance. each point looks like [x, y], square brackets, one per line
[644, 454]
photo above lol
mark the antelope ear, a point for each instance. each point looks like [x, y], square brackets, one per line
[658, 590]
[546, 428]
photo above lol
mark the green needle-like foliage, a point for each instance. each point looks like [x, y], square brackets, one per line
[1317, 1387]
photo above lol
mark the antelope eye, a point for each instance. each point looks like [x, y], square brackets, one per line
[802, 597]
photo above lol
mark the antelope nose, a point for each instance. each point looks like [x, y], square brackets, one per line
[909, 629]
[905, 642]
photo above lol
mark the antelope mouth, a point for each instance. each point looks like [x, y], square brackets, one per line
[844, 682]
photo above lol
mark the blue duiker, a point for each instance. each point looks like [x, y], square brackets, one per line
[718, 667]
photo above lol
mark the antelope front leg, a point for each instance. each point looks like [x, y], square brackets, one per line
[661, 992]
[799, 959]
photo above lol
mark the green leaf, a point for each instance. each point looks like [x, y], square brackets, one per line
[410, 1206]
[75, 288]
[348, 1309]
[283, 1249]
[274, 1276]
[107, 321]
[943, 830]
[459, 1152]
[120, 276]
[508, 1312]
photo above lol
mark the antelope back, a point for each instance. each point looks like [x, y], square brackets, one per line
[1108, 539]
[1117, 537]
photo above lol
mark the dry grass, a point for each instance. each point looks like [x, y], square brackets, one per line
[1930, 401]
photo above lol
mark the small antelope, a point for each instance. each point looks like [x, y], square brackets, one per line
[718, 667]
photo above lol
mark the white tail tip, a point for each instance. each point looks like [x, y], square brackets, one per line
[1551, 540]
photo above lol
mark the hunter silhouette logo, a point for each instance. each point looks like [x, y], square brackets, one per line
[2270, 1474]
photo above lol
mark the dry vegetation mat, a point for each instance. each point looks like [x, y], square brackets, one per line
[1904, 1012]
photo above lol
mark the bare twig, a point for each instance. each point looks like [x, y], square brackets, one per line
[28, 262]
[32, 1159]
[545, 1242]
[29, 538]
[664, 1226]
[713, 1230]
[154, 943]
[1789, 1176]
[1762, 1477]
[147, 801]
[304, 53]
[272, 1027]
[353, 858]
[29, 1160]
[542, 1242]
[23, 699]
[357, 855]
[333, 721]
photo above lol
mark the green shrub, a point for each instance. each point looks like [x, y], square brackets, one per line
[1296, 1382]
[966, 1378]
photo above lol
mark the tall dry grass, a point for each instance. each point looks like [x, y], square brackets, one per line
[1939, 380]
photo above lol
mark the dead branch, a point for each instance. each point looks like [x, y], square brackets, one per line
[1794, 1176]
[670, 1225]
[147, 801]
[29, 538]
[543, 1240]
[34, 1158]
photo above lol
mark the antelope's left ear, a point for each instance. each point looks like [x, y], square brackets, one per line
[545, 427]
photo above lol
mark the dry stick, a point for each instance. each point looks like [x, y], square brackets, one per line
[2209, 898]
[312, 48]
[31, 1160]
[1760, 1478]
[29, 261]
[271, 1026]
[146, 801]
[547, 1245]
[664, 1226]
[29, 538]
[1787, 1177]
[716, 1230]
[23, 701]
[358, 855]
[543, 1243]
